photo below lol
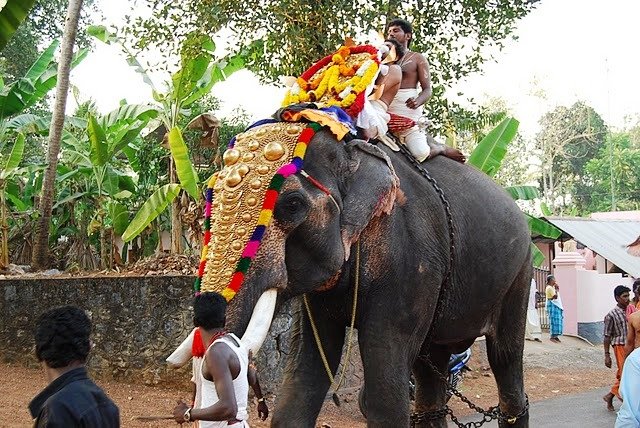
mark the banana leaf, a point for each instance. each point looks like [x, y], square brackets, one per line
[28, 124]
[545, 209]
[129, 113]
[98, 142]
[70, 198]
[43, 62]
[186, 172]
[539, 227]
[11, 16]
[16, 201]
[25, 92]
[216, 72]
[14, 158]
[49, 79]
[157, 203]
[489, 153]
[537, 256]
[119, 217]
[524, 193]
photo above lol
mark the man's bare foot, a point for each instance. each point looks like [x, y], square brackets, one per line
[438, 149]
[454, 154]
[609, 400]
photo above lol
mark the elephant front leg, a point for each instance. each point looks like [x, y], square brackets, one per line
[306, 381]
[386, 381]
[431, 388]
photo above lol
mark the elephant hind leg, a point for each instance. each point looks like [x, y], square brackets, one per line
[431, 389]
[505, 346]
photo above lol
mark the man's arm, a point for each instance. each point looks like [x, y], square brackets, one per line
[218, 366]
[607, 340]
[263, 410]
[631, 338]
[424, 77]
[607, 355]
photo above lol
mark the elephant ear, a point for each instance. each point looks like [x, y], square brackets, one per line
[372, 189]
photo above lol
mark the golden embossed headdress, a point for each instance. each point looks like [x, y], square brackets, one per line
[243, 195]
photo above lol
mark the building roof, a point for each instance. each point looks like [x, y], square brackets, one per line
[608, 238]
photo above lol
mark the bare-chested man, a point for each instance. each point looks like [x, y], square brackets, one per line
[407, 102]
[633, 333]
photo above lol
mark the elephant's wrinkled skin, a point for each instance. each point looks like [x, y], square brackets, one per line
[404, 259]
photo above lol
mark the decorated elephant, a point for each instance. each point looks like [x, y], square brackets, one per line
[342, 217]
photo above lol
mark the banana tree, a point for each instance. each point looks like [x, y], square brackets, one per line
[488, 156]
[98, 158]
[9, 169]
[12, 13]
[196, 77]
[26, 91]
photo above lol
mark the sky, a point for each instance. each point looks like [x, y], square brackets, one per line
[566, 51]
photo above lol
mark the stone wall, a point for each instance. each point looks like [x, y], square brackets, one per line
[137, 323]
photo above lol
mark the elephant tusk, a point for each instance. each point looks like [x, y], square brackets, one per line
[260, 321]
[182, 354]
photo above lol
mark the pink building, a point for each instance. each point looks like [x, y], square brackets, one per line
[591, 257]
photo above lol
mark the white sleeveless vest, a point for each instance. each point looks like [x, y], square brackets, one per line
[209, 396]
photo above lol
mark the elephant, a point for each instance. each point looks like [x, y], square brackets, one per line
[367, 200]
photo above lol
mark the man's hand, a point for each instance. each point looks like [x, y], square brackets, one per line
[178, 411]
[411, 103]
[263, 410]
[607, 360]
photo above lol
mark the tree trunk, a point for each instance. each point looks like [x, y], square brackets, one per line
[39, 256]
[4, 259]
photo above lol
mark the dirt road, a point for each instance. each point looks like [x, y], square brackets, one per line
[19, 385]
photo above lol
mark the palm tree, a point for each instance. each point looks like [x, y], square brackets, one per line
[40, 249]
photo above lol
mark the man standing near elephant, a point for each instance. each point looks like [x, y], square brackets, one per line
[615, 334]
[554, 308]
[405, 109]
[225, 375]
[533, 331]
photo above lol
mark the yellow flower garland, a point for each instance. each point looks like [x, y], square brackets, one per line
[329, 81]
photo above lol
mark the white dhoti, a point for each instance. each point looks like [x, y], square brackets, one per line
[533, 331]
[413, 138]
[374, 116]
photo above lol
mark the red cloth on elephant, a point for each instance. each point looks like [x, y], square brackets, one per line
[400, 123]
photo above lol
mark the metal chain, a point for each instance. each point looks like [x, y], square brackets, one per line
[493, 412]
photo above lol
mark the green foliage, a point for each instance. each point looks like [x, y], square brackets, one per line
[44, 24]
[488, 156]
[155, 205]
[568, 140]
[523, 193]
[11, 16]
[489, 153]
[186, 172]
[613, 176]
[39, 79]
[456, 36]
[189, 87]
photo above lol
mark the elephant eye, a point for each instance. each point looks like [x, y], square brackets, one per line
[291, 207]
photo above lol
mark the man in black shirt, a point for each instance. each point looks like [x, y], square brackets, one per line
[71, 399]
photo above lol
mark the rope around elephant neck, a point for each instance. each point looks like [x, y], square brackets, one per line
[314, 328]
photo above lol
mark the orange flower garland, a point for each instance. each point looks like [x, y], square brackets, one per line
[339, 82]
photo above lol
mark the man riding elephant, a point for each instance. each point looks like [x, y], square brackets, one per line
[406, 109]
